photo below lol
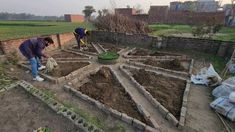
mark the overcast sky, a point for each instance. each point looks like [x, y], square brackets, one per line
[61, 7]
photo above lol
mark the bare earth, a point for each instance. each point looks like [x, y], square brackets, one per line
[21, 112]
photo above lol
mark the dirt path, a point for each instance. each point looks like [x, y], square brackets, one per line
[200, 118]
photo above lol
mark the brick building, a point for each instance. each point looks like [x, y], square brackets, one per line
[164, 14]
[73, 18]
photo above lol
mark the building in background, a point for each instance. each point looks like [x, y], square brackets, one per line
[74, 18]
[196, 6]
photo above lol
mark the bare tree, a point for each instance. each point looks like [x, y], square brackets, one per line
[138, 9]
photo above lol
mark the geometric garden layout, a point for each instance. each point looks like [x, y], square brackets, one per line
[143, 88]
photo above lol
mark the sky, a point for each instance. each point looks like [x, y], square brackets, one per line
[61, 7]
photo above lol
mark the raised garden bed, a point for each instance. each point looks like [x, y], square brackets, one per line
[112, 48]
[63, 69]
[166, 90]
[145, 52]
[63, 54]
[89, 49]
[103, 87]
[174, 64]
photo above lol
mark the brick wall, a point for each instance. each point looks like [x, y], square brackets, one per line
[10, 46]
[158, 14]
[162, 14]
[215, 47]
[73, 18]
[186, 17]
[125, 11]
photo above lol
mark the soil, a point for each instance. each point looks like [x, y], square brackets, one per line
[173, 64]
[145, 52]
[168, 91]
[140, 52]
[24, 113]
[63, 54]
[104, 88]
[111, 48]
[89, 49]
[63, 69]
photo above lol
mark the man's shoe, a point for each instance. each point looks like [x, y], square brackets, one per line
[38, 78]
[41, 67]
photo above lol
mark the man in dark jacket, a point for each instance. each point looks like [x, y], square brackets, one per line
[32, 50]
[80, 33]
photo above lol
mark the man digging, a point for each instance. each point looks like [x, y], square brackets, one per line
[79, 34]
[32, 50]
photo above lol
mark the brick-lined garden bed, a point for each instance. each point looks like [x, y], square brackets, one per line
[178, 118]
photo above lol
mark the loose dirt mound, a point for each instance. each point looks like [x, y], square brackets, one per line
[168, 91]
[140, 52]
[64, 69]
[162, 54]
[173, 64]
[63, 54]
[21, 112]
[89, 49]
[104, 88]
[111, 48]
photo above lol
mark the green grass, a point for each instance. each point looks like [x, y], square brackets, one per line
[225, 34]
[21, 29]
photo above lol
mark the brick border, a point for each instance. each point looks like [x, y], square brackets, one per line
[56, 106]
[141, 65]
[85, 52]
[59, 79]
[122, 116]
[154, 57]
[167, 115]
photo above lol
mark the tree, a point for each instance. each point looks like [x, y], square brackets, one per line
[138, 9]
[88, 11]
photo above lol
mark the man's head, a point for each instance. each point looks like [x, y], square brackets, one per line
[48, 41]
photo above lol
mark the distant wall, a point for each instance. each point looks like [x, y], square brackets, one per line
[10, 46]
[215, 47]
[73, 18]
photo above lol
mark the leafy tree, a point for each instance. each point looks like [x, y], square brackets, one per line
[88, 11]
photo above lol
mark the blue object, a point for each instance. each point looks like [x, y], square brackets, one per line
[32, 47]
[34, 66]
[79, 34]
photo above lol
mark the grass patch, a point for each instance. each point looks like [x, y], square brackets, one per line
[4, 79]
[92, 119]
[225, 34]
[20, 29]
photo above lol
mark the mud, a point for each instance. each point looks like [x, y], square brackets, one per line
[168, 91]
[145, 52]
[104, 88]
[89, 49]
[63, 69]
[172, 64]
[21, 112]
[63, 54]
[112, 48]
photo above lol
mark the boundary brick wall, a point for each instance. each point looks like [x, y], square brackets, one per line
[162, 14]
[12, 45]
[214, 47]
[73, 18]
